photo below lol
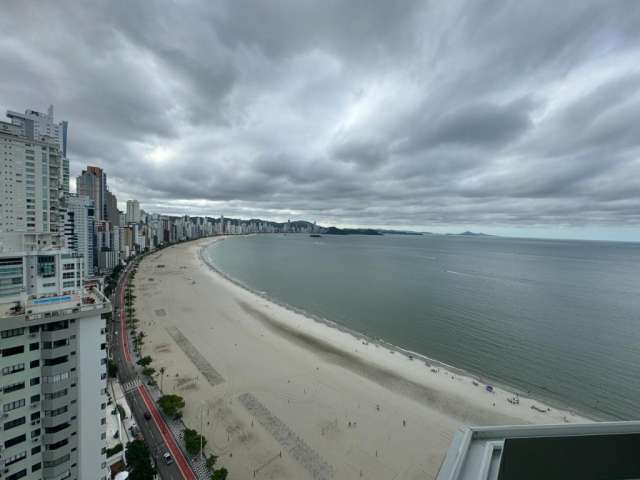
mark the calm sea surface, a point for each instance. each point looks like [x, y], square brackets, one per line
[558, 318]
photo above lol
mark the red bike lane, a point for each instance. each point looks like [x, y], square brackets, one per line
[163, 428]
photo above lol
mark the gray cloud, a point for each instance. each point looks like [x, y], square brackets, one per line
[415, 114]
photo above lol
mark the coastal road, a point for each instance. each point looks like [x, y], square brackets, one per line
[155, 431]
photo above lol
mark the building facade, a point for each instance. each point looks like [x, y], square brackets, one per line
[92, 183]
[52, 365]
[52, 332]
[133, 211]
[113, 214]
[79, 230]
[31, 180]
[38, 124]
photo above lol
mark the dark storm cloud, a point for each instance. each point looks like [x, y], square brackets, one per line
[363, 112]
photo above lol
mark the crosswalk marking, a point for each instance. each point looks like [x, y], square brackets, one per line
[131, 385]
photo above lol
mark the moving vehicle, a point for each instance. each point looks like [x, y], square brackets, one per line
[166, 456]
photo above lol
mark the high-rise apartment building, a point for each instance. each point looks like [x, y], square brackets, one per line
[113, 214]
[92, 183]
[52, 364]
[79, 230]
[35, 124]
[133, 211]
[30, 177]
[52, 334]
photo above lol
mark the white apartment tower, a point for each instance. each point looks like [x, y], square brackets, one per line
[52, 334]
[30, 177]
[37, 124]
[133, 211]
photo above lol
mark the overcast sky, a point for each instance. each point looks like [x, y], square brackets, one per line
[518, 118]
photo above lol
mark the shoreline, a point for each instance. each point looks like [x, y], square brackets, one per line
[297, 399]
[409, 354]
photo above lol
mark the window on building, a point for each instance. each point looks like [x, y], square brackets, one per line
[15, 441]
[12, 332]
[50, 362]
[46, 266]
[57, 428]
[56, 412]
[55, 326]
[57, 461]
[15, 458]
[7, 352]
[13, 387]
[18, 367]
[7, 407]
[14, 423]
[58, 394]
[18, 475]
[57, 445]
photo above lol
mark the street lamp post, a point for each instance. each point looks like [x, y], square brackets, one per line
[162, 370]
[201, 429]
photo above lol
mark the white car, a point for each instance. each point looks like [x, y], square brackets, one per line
[166, 456]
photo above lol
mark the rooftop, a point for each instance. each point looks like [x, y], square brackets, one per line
[88, 299]
[528, 452]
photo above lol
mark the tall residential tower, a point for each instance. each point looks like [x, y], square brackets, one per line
[52, 334]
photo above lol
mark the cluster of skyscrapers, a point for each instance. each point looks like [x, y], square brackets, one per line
[55, 248]
[53, 353]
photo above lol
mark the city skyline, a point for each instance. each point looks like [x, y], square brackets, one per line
[431, 117]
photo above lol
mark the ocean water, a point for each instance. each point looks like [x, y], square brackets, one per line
[558, 319]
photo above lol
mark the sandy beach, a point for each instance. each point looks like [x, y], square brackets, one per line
[283, 396]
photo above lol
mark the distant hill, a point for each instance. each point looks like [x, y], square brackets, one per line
[471, 234]
[399, 232]
[350, 231]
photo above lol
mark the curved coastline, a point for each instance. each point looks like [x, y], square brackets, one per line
[409, 354]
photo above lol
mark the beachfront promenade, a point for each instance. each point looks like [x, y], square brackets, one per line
[156, 433]
[280, 395]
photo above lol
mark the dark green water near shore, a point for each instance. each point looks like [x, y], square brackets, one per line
[559, 319]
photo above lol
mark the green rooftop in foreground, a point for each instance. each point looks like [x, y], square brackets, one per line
[606, 450]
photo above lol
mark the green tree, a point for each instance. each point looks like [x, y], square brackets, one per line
[192, 441]
[145, 361]
[211, 461]
[220, 474]
[148, 371]
[112, 369]
[171, 404]
[137, 455]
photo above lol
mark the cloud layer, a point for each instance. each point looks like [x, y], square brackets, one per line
[425, 114]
